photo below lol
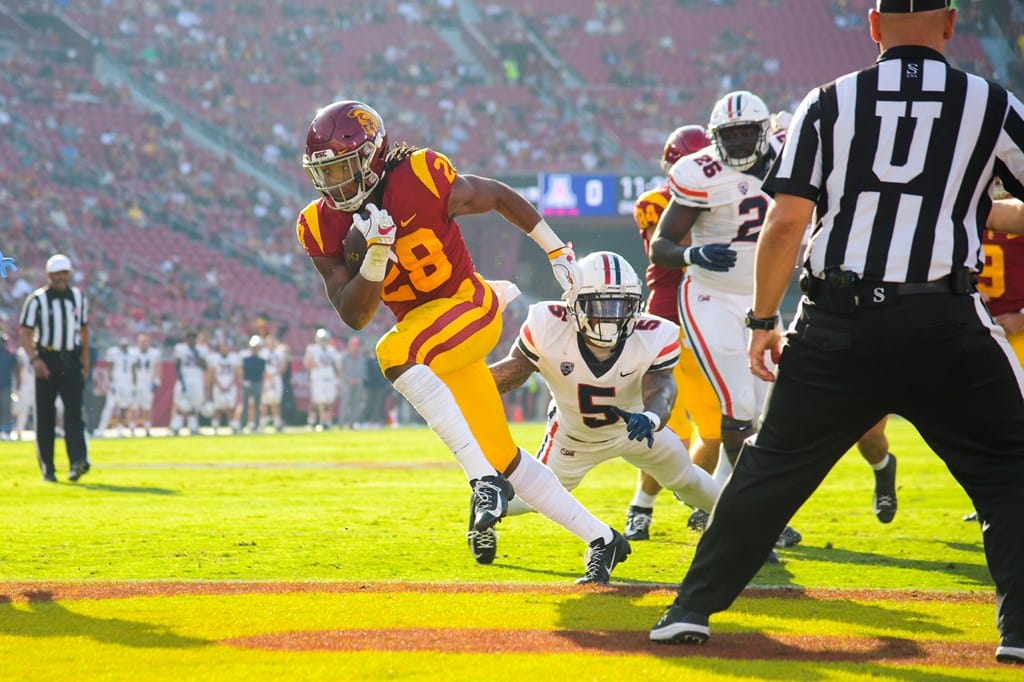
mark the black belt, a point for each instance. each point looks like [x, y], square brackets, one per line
[848, 296]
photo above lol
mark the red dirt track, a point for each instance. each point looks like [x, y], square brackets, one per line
[746, 646]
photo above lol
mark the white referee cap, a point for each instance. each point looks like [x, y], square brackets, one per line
[58, 262]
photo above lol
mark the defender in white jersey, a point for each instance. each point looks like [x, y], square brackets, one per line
[609, 368]
[716, 194]
[146, 378]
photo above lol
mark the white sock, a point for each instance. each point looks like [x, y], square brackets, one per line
[724, 469]
[436, 404]
[538, 487]
[642, 499]
[193, 423]
[881, 465]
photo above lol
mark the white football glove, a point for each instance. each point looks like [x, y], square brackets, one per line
[378, 228]
[567, 271]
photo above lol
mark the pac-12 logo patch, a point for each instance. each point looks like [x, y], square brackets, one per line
[566, 368]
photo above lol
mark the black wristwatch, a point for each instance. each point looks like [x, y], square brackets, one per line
[762, 323]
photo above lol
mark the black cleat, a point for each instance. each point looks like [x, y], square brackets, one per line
[78, 470]
[679, 626]
[482, 543]
[698, 520]
[638, 522]
[491, 495]
[885, 492]
[789, 537]
[603, 557]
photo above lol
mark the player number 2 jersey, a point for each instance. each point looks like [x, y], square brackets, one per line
[585, 388]
[735, 211]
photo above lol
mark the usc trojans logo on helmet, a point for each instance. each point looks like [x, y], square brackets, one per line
[366, 120]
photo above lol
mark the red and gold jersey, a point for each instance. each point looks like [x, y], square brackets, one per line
[433, 260]
[1002, 278]
[663, 282]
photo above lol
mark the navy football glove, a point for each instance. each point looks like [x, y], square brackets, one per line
[638, 424]
[714, 257]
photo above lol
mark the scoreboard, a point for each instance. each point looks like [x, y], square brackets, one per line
[597, 195]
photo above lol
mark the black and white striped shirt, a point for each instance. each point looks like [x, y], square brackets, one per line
[899, 158]
[57, 317]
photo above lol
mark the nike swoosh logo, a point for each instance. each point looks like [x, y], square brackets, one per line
[408, 220]
[626, 374]
[386, 230]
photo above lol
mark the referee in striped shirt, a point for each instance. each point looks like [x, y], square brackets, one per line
[893, 163]
[55, 334]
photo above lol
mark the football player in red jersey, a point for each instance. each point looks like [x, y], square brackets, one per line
[1002, 278]
[404, 201]
[696, 402]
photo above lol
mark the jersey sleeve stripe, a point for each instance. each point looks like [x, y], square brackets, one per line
[312, 222]
[521, 345]
[688, 196]
[671, 348]
[671, 362]
[418, 161]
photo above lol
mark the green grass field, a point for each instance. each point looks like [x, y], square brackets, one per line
[365, 532]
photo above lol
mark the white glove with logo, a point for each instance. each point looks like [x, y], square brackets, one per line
[567, 271]
[379, 229]
[377, 226]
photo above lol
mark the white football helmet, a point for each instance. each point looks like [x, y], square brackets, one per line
[739, 128]
[609, 299]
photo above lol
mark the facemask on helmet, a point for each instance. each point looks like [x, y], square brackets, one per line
[345, 148]
[683, 141]
[739, 128]
[609, 299]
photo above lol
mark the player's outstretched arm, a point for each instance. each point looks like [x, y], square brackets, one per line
[512, 371]
[1007, 215]
[474, 194]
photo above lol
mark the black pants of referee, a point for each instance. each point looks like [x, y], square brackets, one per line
[937, 360]
[67, 381]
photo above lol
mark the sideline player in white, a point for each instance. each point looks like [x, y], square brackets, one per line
[26, 403]
[275, 354]
[716, 195]
[324, 364]
[609, 368]
[120, 401]
[146, 378]
[190, 387]
[224, 377]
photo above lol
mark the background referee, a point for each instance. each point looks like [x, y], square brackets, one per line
[895, 162]
[55, 334]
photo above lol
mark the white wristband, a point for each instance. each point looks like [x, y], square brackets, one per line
[686, 255]
[375, 263]
[654, 418]
[545, 237]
